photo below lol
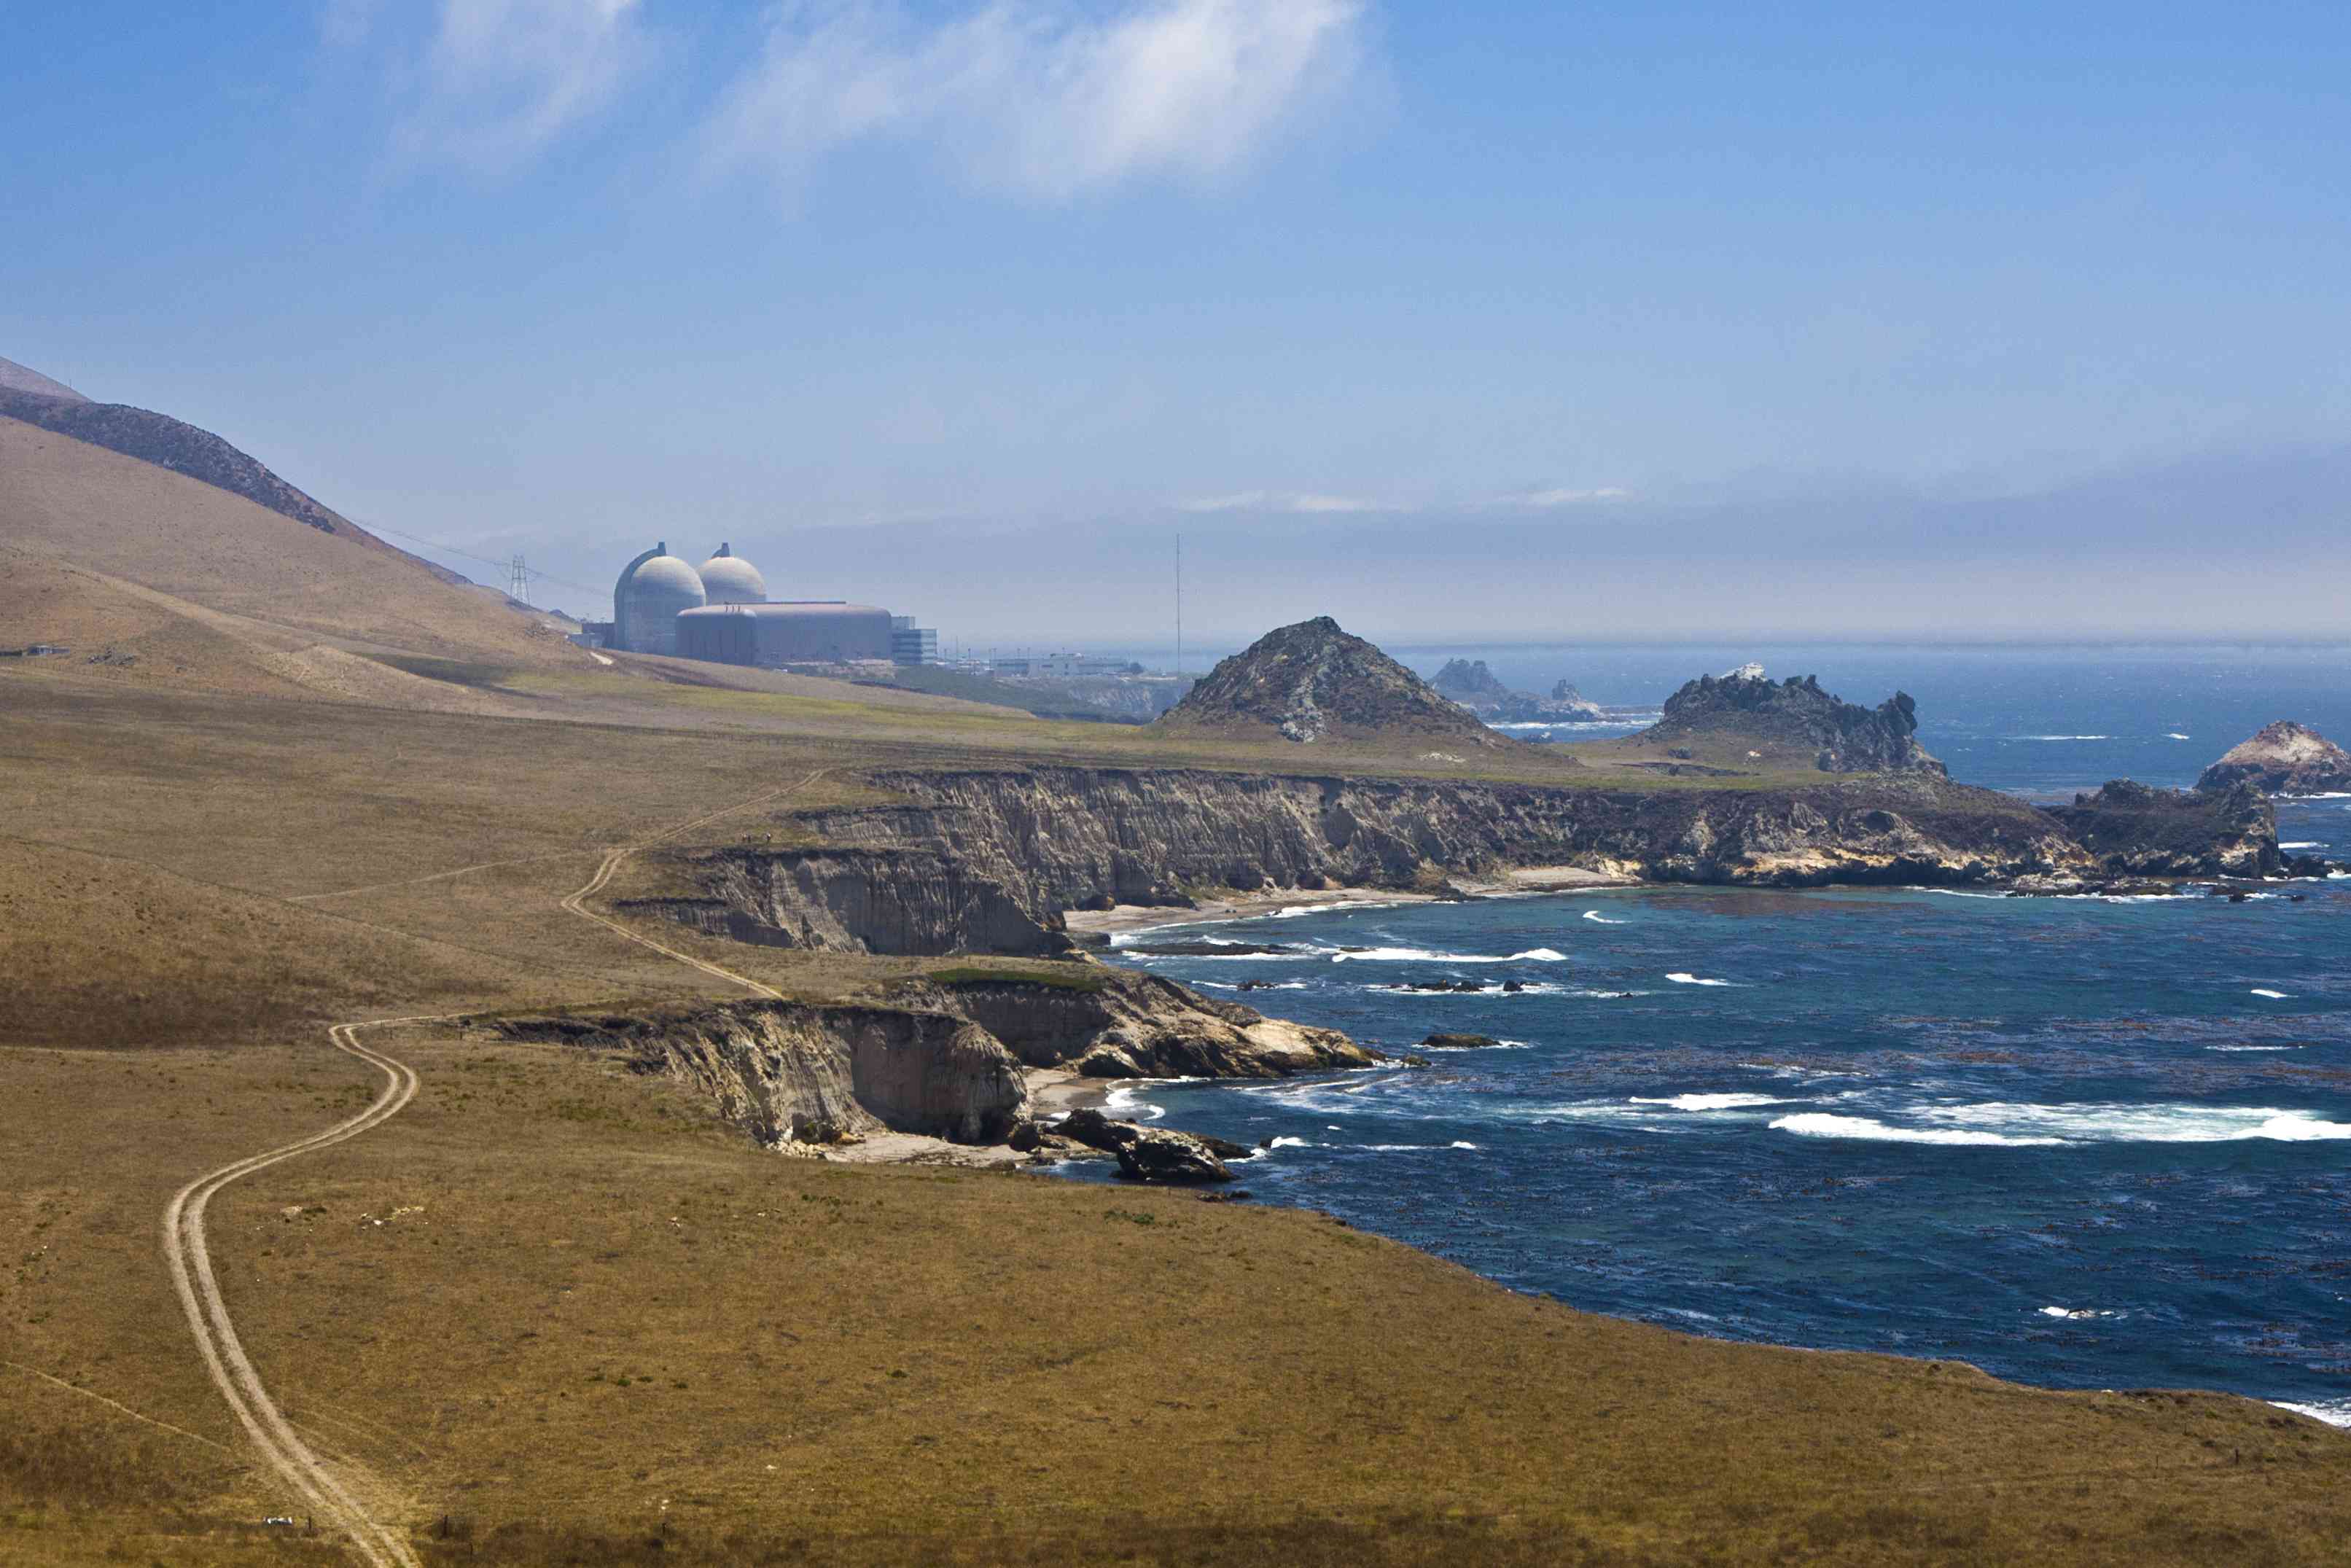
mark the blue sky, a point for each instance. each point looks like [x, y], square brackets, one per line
[1521, 320]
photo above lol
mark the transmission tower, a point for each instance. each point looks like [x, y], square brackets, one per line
[518, 581]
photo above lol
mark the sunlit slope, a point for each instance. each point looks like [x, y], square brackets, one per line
[150, 575]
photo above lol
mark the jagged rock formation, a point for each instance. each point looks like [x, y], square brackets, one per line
[1474, 686]
[1796, 716]
[2285, 758]
[1146, 836]
[1119, 1023]
[915, 901]
[1314, 683]
[2133, 830]
[790, 1072]
[1152, 1154]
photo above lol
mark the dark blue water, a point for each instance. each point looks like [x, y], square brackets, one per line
[2076, 1142]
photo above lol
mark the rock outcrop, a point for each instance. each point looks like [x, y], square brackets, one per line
[1151, 1154]
[1314, 683]
[1146, 836]
[787, 1072]
[1795, 716]
[2133, 830]
[907, 902]
[1474, 686]
[1119, 1023]
[2285, 758]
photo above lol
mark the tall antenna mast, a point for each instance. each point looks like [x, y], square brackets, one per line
[1179, 606]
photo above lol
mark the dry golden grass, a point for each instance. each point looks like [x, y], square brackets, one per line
[590, 1319]
[941, 1366]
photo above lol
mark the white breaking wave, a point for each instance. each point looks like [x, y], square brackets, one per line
[2273, 996]
[1424, 955]
[2063, 738]
[1820, 1124]
[1288, 1143]
[1683, 978]
[2334, 1412]
[1712, 1102]
[2156, 1123]
[2242, 1047]
[2175, 735]
[1125, 1100]
[1595, 914]
[2304, 845]
[2079, 1312]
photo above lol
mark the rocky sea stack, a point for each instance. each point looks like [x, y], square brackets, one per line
[1314, 683]
[2285, 758]
[1471, 684]
[1795, 715]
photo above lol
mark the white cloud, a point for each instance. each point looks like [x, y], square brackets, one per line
[498, 81]
[1304, 505]
[1041, 98]
[1544, 500]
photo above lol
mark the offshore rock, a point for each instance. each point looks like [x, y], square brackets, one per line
[1474, 686]
[1162, 1155]
[1796, 716]
[1314, 683]
[2134, 829]
[2285, 758]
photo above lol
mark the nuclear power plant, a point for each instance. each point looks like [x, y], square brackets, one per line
[720, 612]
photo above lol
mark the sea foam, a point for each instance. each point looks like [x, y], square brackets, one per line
[1712, 1101]
[1680, 978]
[1595, 914]
[1820, 1124]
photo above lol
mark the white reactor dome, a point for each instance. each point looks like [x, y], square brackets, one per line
[728, 579]
[647, 600]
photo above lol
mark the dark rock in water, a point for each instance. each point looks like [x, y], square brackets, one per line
[1459, 1042]
[2285, 758]
[1255, 986]
[1796, 716]
[1471, 684]
[1514, 986]
[2134, 829]
[1091, 1127]
[1313, 681]
[1159, 1155]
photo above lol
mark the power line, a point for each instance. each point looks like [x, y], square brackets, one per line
[486, 560]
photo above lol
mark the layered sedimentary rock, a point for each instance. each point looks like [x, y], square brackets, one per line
[2285, 758]
[789, 1072]
[1116, 1023]
[2132, 829]
[1148, 836]
[1795, 715]
[915, 901]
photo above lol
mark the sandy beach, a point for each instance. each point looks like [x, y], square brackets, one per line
[1521, 880]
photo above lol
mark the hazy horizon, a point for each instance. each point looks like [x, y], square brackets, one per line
[1530, 325]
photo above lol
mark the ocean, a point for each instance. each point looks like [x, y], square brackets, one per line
[2081, 1143]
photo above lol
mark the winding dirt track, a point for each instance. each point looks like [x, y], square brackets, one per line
[198, 1289]
[225, 1357]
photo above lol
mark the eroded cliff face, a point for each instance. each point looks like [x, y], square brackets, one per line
[2131, 829]
[1117, 1023]
[1061, 839]
[916, 900]
[787, 1072]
